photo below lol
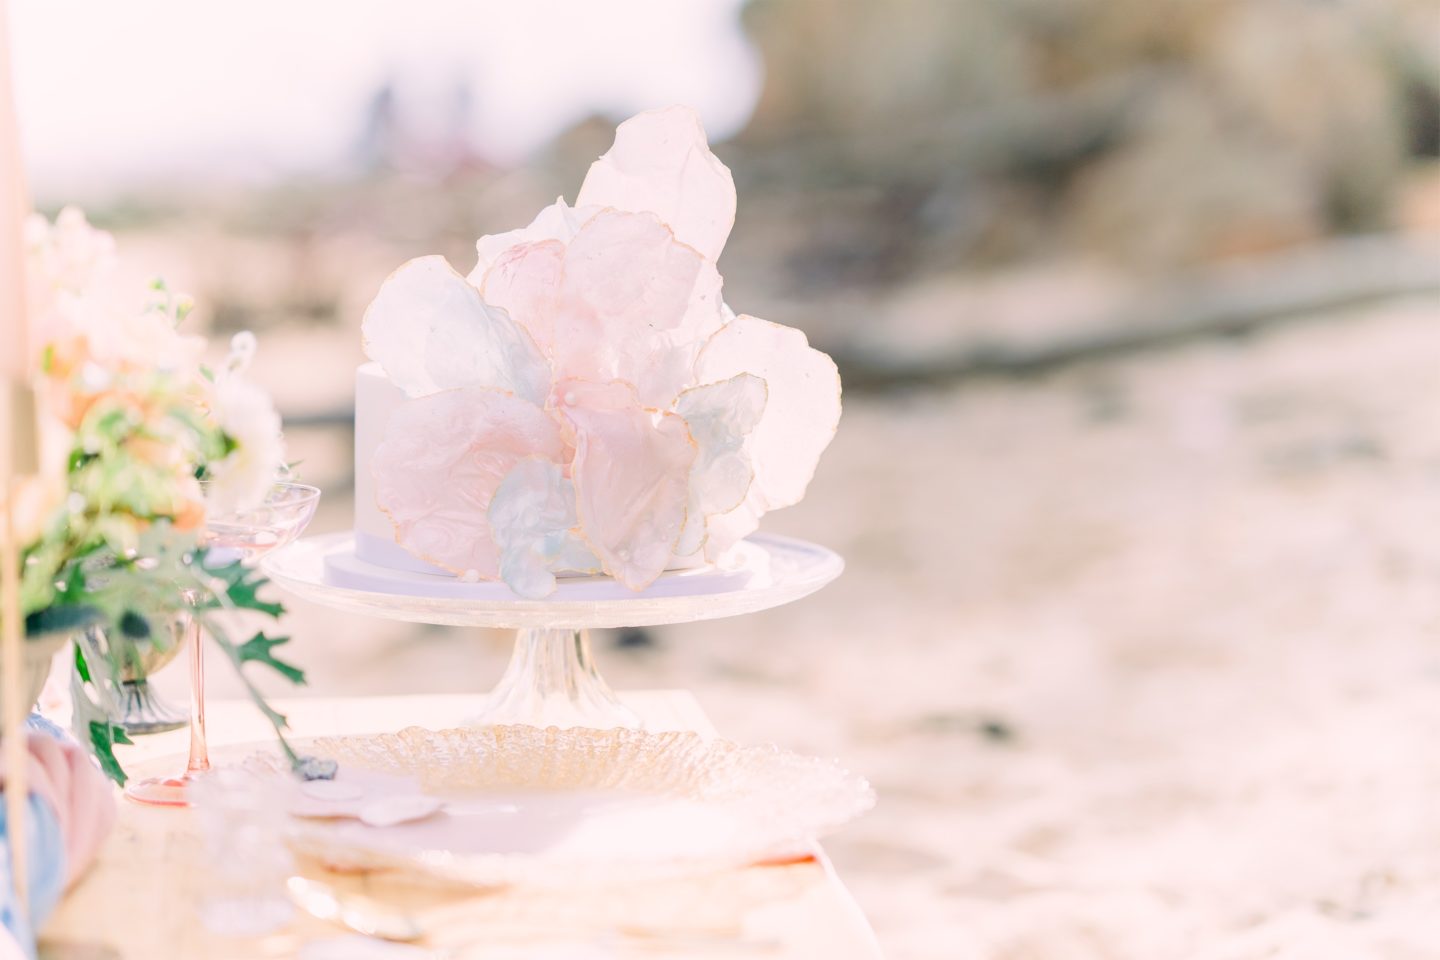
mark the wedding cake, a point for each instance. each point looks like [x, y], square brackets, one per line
[584, 402]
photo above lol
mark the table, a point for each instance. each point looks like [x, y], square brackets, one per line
[138, 902]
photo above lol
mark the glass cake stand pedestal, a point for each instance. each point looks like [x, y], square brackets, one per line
[552, 679]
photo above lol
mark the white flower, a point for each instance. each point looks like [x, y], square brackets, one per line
[69, 255]
[147, 340]
[70, 270]
[73, 293]
[244, 411]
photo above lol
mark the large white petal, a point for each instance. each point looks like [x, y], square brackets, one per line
[661, 163]
[804, 407]
[430, 331]
[724, 530]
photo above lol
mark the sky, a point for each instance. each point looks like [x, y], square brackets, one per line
[139, 93]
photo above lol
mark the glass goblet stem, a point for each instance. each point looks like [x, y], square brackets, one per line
[199, 751]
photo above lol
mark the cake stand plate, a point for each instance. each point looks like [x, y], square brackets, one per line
[551, 679]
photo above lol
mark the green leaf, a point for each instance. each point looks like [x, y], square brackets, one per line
[134, 626]
[74, 585]
[103, 739]
[242, 586]
[61, 618]
[260, 649]
[277, 719]
[81, 667]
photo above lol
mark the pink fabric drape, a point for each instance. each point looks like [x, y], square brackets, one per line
[62, 774]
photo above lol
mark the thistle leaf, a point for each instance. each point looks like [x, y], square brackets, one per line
[242, 587]
[260, 649]
[103, 737]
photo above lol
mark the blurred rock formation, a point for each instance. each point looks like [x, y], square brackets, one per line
[945, 174]
[1154, 133]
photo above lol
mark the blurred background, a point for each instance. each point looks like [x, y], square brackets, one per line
[1138, 307]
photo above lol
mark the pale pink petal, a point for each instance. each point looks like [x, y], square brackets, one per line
[631, 473]
[800, 418]
[637, 305]
[430, 331]
[524, 281]
[662, 164]
[556, 222]
[724, 530]
[532, 516]
[439, 464]
[720, 417]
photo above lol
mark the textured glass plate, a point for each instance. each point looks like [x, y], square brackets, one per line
[553, 807]
[769, 571]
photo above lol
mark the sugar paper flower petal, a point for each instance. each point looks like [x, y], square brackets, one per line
[430, 331]
[724, 530]
[804, 406]
[525, 282]
[439, 464]
[719, 416]
[532, 516]
[556, 222]
[661, 163]
[637, 305]
[631, 472]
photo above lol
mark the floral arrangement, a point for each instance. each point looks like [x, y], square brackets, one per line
[132, 423]
[584, 401]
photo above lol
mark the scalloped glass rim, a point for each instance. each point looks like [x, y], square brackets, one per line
[781, 801]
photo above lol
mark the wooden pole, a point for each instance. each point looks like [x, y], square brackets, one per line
[17, 458]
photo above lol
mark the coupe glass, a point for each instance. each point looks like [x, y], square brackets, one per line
[242, 815]
[247, 536]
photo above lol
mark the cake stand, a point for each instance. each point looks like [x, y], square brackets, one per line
[551, 679]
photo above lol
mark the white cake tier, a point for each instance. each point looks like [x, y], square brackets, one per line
[375, 399]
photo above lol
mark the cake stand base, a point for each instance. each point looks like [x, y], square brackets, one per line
[552, 682]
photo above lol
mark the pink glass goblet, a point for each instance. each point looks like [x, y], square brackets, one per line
[245, 535]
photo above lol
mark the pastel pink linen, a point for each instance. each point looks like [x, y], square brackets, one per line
[62, 774]
[678, 424]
